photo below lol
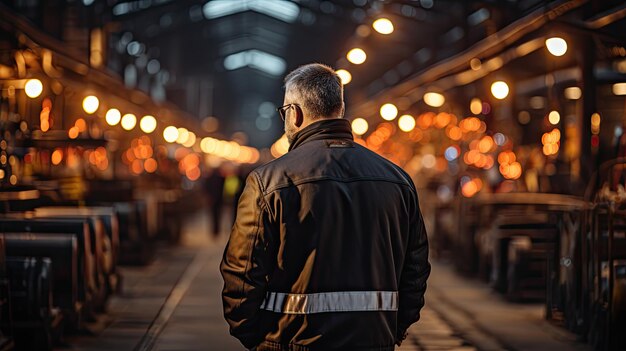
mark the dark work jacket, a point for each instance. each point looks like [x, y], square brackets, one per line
[328, 251]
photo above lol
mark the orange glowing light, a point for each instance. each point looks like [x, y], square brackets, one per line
[193, 173]
[442, 119]
[469, 189]
[73, 133]
[191, 161]
[515, 170]
[57, 156]
[425, 120]
[81, 125]
[504, 169]
[454, 133]
[506, 157]
[486, 144]
[150, 165]
[136, 167]
[45, 125]
[488, 162]
[92, 158]
[46, 103]
[103, 164]
[180, 153]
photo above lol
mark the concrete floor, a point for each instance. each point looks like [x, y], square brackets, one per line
[174, 304]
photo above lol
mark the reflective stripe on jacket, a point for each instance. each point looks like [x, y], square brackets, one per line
[328, 251]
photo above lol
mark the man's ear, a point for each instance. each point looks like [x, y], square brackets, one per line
[299, 116]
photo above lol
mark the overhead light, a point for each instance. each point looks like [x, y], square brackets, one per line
[148, 124]
[356, 56]
[170, 134]
[478, 17]
[344, 75]
[90, 104]
[406, 123]
[208, 145]
[183, 135]
[572, 93]
[619, 88]
[191, 140]
[283, 10]
[113, 116]
[359, 126]
[256, 59]
[499, 89]
[434, 99]
[383, 26]
[388, 112]
[33, 88]
[129, 121]
[556, 46]
[554, 117]
[476, 106]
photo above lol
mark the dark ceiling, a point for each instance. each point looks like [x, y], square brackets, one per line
[193, 47]
[226, 58]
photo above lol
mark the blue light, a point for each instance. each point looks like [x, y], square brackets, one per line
[258, 60]
[451, 153]
[499, 138]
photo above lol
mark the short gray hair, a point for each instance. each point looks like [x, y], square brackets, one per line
[319, 89]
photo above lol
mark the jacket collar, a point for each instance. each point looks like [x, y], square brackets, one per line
[336, 128]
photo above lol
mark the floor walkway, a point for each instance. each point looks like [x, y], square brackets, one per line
[174, 304]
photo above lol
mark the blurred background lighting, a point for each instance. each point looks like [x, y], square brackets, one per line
[434, 99]
[383, 26]
[359, 126]
[388, 112]
[113, 116]
[406, 123]
[356, 56]
[90, 104]
[129, 121]
[499, 89]
[572, 93]
[170, 134]
[554, 117]
[148, 124]
[476, 106]
[33, 88]
[191, 139]
[345, 76]
[556, 46]
[451, 153]
[595, 123]
[183, 135]
[619, 88]
[499, 138]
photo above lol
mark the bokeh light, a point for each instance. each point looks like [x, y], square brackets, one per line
[359, 126]
[356, 56]
[33, 88]
[383, 26]
[556, 46]
[388, 112]
[113, 116]
[91, 104]
[500, 89]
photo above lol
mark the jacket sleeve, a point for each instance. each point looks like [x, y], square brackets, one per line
[245, 266]
[414, 274]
